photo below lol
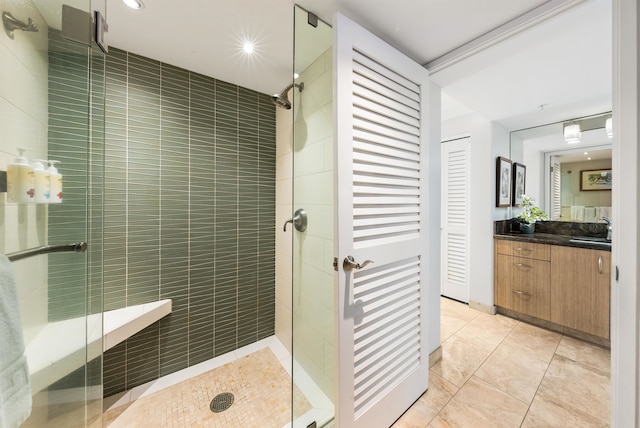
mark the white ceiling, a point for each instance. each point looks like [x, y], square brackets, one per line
[567, 66]
[556, 71]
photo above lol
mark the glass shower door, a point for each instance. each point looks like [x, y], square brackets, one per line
[51, 100]
[312, 252]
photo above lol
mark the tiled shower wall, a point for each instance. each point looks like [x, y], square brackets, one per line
[305, 164]
[76, 138]
[189, 215]
[23, 123]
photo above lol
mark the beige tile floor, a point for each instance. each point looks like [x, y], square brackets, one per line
[494, 372]
[261, 386]
[499, 372]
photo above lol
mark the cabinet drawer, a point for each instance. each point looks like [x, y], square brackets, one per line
[531, 250]
[503, 246]
[531, 287]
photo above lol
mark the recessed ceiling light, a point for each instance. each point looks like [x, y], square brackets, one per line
[585, 153]
[588, 158]
[134, 4]
[248, 47]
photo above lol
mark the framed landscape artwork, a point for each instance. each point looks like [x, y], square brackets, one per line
[595, 179]
[503, 182]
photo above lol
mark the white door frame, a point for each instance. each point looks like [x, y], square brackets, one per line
[624, 291]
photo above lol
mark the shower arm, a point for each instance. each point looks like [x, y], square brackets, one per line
[11, 23]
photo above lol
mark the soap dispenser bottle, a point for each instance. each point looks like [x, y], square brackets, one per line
[55, 183]
[20, 180]
[42, 182]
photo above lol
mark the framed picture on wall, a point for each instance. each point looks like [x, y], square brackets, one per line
[595, 179]
[503, 182]
[519, 180]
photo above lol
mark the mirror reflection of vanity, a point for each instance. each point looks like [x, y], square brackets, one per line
[567, 173]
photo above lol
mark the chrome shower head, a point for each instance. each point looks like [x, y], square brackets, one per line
[281, 100]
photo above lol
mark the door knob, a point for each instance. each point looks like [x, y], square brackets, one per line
[349, 263]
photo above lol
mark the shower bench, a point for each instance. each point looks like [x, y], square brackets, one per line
[50, 359]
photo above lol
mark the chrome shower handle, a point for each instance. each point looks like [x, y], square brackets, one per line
[299, 221]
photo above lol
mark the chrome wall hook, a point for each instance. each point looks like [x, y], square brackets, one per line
[11, 23]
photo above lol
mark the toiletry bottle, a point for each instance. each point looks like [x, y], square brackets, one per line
[20, 180]
[55, 186]
[42, 180]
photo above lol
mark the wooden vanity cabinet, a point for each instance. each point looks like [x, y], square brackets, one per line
[522, 277]
[580, 289]
[568, 286]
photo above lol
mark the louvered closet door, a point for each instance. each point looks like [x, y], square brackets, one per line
[455, 212]
[381, 137]
[556, 189]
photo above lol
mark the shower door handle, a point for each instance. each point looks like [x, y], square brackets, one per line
[349, 264]
[299, 221]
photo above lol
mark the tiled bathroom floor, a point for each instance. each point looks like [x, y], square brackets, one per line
[495, 371]
[499, 372]
[262, 390]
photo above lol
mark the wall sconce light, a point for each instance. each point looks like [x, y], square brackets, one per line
[608, 127]
[572, 133]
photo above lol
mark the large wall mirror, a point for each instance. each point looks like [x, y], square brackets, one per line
[568, 167]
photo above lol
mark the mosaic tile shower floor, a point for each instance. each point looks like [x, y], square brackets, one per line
[262, 390]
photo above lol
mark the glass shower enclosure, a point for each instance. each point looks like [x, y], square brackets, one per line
[312, 248]
[51, 105]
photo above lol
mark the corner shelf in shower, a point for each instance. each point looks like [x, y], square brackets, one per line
[50, 358]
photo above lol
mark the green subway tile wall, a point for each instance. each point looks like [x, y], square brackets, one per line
[189, 214]
[69, 136]
[76, 138]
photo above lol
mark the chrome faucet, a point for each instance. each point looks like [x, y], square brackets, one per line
[609, 228]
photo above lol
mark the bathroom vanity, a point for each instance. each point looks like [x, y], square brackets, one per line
[553, 281]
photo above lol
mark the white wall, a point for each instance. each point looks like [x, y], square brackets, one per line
[487, 141]
[534, 185]
[23, 123]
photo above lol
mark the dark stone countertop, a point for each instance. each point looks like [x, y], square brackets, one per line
[551, 239]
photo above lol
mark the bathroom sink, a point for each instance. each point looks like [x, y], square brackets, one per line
[591, 240]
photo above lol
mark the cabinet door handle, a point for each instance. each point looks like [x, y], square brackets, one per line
[521, 249]
[523, 265]
[600, 264]
[522, 293]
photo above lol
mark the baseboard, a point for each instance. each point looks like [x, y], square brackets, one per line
[600, 341]
[435, 356]
[487, 309]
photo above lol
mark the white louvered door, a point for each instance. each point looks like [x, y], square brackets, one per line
[556, 189]
[381, 162]
[455, 221]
